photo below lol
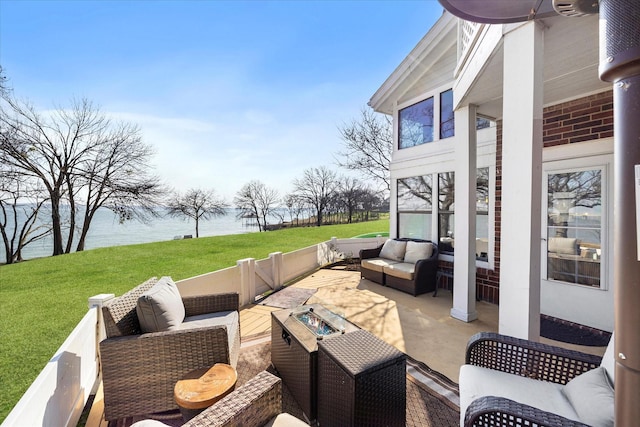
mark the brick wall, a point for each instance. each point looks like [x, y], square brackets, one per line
[580, 120]
[583, 119]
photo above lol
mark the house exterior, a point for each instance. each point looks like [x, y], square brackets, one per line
[504, 155]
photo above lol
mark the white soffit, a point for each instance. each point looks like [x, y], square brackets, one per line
[571, 59]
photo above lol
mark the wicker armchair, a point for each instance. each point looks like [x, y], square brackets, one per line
[255, 403]
[139, 370]
[525, 359]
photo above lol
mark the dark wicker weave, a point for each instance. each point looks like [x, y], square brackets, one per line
[139, 371]
[528, 358]
[296, 364]
[497, 411]
[524, 358]
[253, 404]
[424, 279]
[361, 382]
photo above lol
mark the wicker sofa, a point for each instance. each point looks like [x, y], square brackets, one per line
[410, 265]
[508, 381]
[140, 368]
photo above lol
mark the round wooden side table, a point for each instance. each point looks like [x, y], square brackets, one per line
[203, 387]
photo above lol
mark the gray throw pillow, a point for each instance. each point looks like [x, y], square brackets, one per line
[591, 395]
[160, 308]
[393, 249]
[417, 251]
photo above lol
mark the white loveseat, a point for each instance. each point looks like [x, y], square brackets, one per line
[514, 382]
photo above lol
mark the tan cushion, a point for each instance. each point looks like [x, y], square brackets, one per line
[591, 396]
[416, 251]
[160, 308]
[403, 270]
[376, 264]
[393, 249]
[563, 245]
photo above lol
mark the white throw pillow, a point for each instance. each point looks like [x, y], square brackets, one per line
[417, 251]
[591, 396]
[393, 249]
[160, 308]
[563, 245]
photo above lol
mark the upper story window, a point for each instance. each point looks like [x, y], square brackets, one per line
[447, 120]
[416, 124]
[426, 120]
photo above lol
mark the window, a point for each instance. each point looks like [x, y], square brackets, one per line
[414, 207]
[482, 214]
[574, 226]
[447, 119]
[446, 208]
[415, 210]
[416, 124]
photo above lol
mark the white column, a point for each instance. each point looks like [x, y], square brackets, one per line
[464, 266]
[521, 182]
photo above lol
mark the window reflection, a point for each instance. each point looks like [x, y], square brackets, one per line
[414, 207]
[416, 124]
[574, 227]
[446, 207]
[447, 118]
[482, 214]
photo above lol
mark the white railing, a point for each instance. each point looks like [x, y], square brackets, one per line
[58, 395]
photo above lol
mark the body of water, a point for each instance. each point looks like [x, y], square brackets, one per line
[106, 231]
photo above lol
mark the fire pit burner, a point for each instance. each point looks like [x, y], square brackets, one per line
[315, 323]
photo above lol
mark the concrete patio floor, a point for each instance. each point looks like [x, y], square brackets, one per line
[419, 326]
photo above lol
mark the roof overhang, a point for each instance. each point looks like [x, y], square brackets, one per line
[440, 38]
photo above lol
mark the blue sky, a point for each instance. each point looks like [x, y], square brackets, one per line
[225, 91]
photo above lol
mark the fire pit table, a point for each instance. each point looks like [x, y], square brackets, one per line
[294, 349]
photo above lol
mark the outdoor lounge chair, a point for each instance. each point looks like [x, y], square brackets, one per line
[508, 381]
[141, 368]
[256, 403]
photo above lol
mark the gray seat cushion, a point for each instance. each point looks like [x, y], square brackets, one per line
[221, 318]
[477, 382]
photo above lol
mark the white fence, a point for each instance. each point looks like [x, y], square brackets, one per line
[58, 395]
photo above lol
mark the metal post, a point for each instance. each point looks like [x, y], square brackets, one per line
[620, 64]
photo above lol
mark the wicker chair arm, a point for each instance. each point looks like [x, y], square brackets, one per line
[499, 411]
[370, 253]
[254, 403]
[213, 303]
[528, 358]
[161, 359]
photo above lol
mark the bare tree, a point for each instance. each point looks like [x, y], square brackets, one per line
[76, 153]
[256, 199]
[316, 188]
[196, 204]
[368, 144]
[20, 206]
[351, 195]
[295, 205]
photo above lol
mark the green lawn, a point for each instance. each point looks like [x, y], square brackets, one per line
[42, 300]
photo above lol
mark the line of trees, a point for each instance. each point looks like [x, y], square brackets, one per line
[57, 168]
